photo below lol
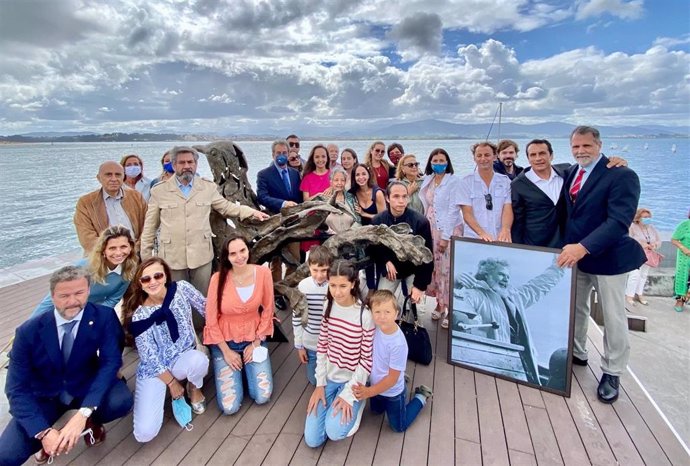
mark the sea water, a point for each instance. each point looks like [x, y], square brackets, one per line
[42, 182]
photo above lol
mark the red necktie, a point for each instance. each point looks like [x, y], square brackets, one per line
[577, 184]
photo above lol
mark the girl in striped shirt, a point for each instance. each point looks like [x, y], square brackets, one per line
[343, 359]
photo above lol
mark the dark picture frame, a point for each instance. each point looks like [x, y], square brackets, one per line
[512, 313]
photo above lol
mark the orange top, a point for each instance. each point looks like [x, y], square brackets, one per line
[240, 321]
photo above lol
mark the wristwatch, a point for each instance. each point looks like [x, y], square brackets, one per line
[86, 412]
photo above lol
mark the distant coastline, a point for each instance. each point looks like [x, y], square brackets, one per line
[417, 130]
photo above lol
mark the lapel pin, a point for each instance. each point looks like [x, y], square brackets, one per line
[91, 322]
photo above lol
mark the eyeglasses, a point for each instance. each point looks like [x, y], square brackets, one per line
[411, 165]
[294, 144]
[489, 202]
[147, 278]
[292, 159]
[379, 151]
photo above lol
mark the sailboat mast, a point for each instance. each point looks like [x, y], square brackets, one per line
[500, 115]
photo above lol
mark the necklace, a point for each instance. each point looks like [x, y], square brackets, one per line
[243, 280]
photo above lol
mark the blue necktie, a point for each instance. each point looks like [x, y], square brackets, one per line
[67, 344]
[286, 180]
[67, 340]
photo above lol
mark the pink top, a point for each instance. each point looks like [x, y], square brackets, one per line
[240, 321]
[314, 184]
[645, 234]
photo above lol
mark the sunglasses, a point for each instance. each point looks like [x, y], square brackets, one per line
[294, 144]
[412, 165]
[292, 159]
[379, 151]
[489, 202]
[147, 278]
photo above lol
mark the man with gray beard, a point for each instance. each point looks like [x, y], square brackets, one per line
[181, 208]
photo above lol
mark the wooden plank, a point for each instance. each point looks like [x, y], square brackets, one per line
[467, 453]
[622, 446]
[288, 440]
[543, 438]
[569, 443]
[593, 438]
[466, 416]
[390, 444]
[442, 431]
[307, 456]
[519, 458]
[335, 453]
[493, 441]
[649, 431]
[365, 442]
[531, 396]
[513, 413]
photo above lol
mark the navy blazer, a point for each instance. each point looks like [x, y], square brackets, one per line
[537, 220]
[600, 217]
[270, 189]
[37, 372]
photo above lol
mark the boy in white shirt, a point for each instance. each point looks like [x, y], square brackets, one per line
[314, 288]
[387, 381]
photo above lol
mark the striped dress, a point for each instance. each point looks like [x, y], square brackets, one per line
[308, 336]
[344, 348]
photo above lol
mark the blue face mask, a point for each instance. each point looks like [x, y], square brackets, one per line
[646, 220]
[182, 412]
[439, 168]
[168, 167]
[282, 160]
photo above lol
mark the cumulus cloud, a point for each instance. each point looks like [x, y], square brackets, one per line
[623, 9]
[221, 65]
[418, 34]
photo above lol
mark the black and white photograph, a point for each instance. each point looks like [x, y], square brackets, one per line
[512, 313]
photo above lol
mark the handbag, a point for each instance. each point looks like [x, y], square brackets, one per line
[653, 257]
[418, 342]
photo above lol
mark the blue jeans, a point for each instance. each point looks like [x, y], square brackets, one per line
[311, 366]
[229, 390]
[322, 425]
[400, 415]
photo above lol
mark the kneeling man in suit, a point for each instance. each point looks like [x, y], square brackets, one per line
[62, 360]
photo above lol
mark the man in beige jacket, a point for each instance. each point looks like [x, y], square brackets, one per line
[181, 207]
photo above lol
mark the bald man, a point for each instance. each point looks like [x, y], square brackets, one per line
[113, 204]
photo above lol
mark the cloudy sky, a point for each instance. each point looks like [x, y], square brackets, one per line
[228, 66]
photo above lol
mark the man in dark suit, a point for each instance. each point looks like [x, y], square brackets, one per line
[538, 203]
[600, 206]
[63, 360]
[277, 186]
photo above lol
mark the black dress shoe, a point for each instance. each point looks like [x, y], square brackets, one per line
[579, 362]
[608, 388]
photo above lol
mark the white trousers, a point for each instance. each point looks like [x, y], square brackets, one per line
[395, 288]
[636, 281]
[149, 394]
[611, 292]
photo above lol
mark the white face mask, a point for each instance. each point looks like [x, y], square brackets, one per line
[133, 171]
[259, 354]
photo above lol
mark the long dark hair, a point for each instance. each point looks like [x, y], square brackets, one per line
[135, 294]
[342, 268]
[225, 266]
[449, 167]
[354, 187]
[310, 165]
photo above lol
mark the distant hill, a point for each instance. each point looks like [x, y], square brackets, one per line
[423, 129]
[444, 129]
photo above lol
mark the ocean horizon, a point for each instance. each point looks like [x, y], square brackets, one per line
[44, 180]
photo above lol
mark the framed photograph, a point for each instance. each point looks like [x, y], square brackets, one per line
[512, 313]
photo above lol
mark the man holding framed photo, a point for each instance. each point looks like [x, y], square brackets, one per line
[600, 206]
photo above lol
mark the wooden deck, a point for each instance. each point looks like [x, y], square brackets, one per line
[473, 419]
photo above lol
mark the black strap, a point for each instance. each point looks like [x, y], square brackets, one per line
[160, 315]
[413, 306]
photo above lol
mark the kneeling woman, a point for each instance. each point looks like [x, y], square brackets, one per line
[239, 318]
[112, 264]
[343, 359]
[158, 312]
